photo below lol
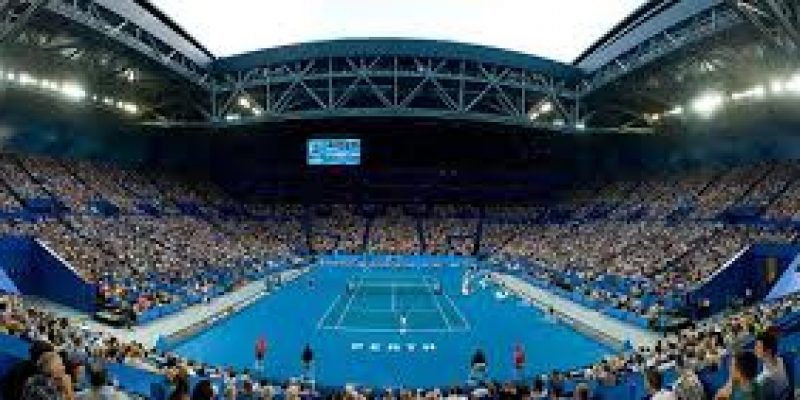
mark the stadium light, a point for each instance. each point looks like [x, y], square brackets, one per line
[675, 111]
[776, 87]
[130, 108]
[758, 92]
[73, 91]
[707, 104]
[26, 79]
[793, 85]
[130, 75]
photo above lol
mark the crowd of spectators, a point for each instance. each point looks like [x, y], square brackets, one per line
[395, 232]
[338, 228]
[144, 261]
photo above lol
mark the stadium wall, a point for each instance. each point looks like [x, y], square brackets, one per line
[37, 271]
[756, 269]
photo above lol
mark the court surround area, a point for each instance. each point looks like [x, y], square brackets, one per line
[391, 327]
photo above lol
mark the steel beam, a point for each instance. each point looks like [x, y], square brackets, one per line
[15, 14]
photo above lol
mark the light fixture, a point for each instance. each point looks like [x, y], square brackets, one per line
[677, 110]
[776, 87]
[708, 103]
[793, 85]
[73, 91]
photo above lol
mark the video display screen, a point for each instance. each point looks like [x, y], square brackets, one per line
[334, 152]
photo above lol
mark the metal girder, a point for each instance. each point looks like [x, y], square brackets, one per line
[126, 33]
[704, 25]
[386, 85]
[14, 14]
[777, 20]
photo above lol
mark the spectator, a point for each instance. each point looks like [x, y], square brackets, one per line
[654, 384]
[581, 392]
[51, 381]
[16, 378]
[772, 379]
[742, 384]
[181, 389]
[203, 390]
[687, 386]
[100, 389]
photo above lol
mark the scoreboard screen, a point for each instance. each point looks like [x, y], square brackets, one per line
[334, 152]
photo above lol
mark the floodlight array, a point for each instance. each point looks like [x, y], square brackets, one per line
[69, 90]
[711, 102]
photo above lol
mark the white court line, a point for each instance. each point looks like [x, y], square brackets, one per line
[390, 311]
[330, 309]
[441, 311]
[392, 330]
[346, 309]
[458, 312]
[393, 301]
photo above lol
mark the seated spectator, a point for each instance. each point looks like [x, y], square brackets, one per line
[772, 379]
[581, 392]
[51, 381]
[742, 384]
[655, 386]
[687, 386]
[16, 378]
[203, 390]
[181, 389]
[538, 391]
[100, 389]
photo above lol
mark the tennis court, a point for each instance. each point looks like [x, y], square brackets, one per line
[393, 304]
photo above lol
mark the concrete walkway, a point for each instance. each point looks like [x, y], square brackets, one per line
[609, 330]
[198, 315]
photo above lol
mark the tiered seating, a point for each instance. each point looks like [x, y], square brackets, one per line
[728, 189]
[451, 230]
[764, 191]
[19, 180]
[108, 181]
[394, 232]
[341, 231]
[60, 182]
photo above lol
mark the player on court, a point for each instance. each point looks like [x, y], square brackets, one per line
[403, 321]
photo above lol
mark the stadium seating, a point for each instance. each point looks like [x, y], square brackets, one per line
[617, 247]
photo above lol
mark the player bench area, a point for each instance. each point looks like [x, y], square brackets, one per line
[394, 304]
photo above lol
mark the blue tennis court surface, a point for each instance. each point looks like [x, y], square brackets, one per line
[353, 320]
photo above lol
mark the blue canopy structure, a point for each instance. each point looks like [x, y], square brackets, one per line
[6, 284]
[788, 283]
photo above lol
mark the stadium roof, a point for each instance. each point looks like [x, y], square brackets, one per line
[397, 47]
[156, 12]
